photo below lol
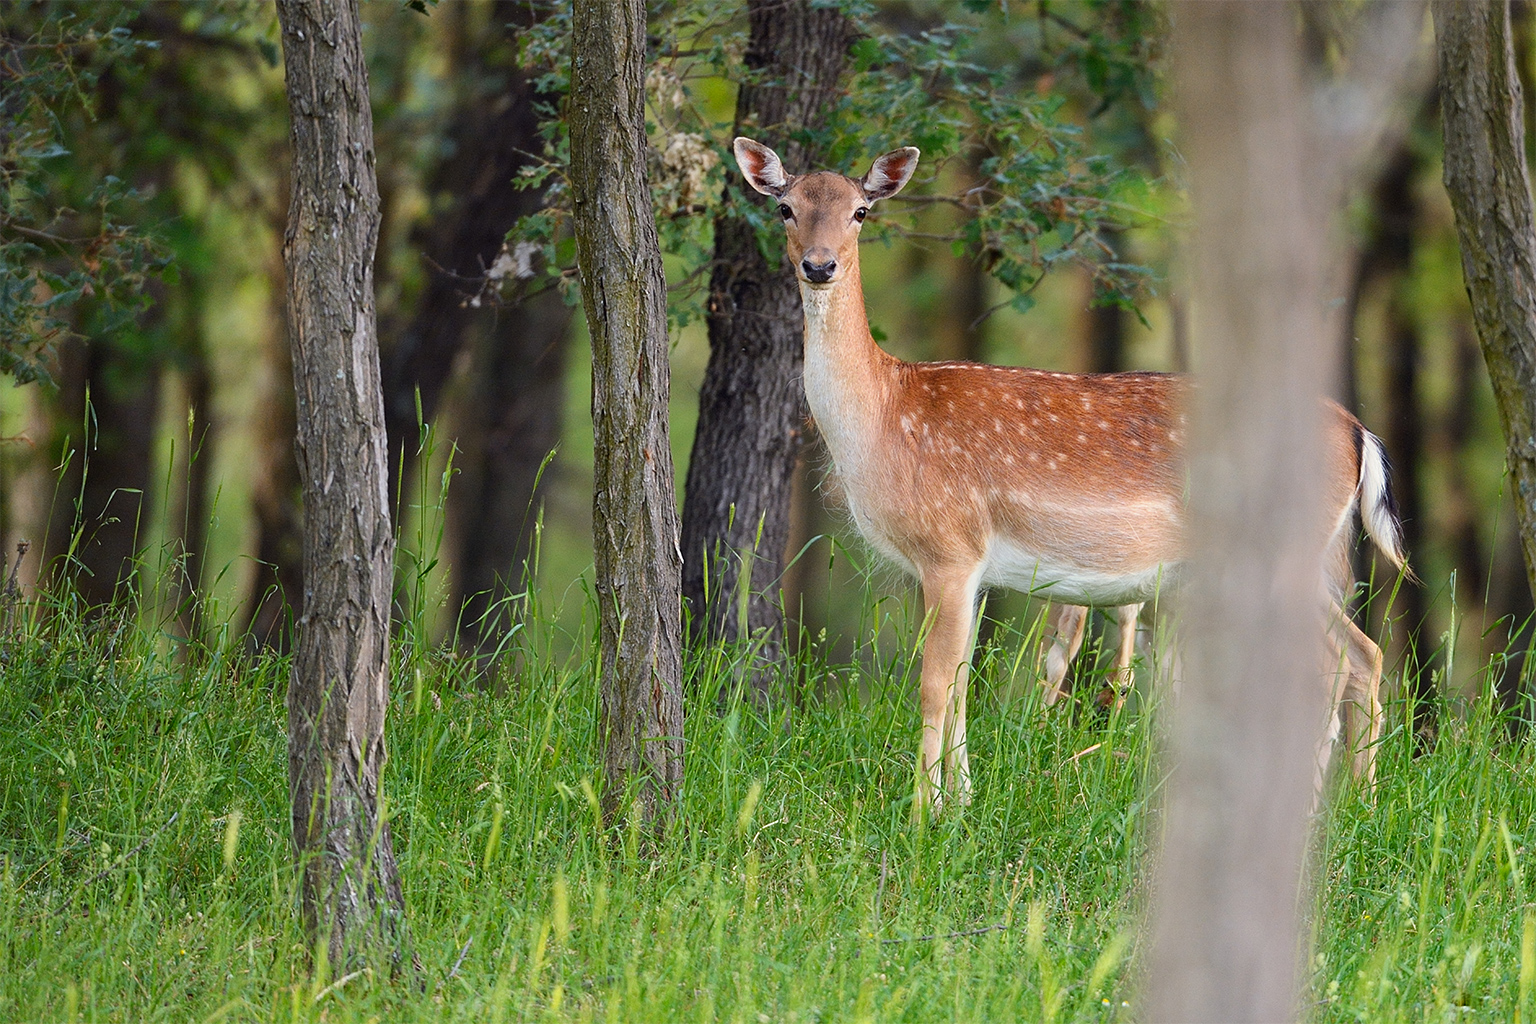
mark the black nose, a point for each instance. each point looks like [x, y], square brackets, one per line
[818, 273]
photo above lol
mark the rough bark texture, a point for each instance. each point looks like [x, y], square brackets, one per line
[1481, 112]
[339, 688]
[736, 511]
[634, 517]
[1252, 706]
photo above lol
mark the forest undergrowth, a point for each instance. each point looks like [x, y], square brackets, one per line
[145, 867]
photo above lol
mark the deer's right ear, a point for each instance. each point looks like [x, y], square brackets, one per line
[761, 167]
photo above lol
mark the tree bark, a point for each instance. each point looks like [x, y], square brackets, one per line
[634, 516]
[339, 689]
[1267, 174]
[1481, 113]
[736, 511]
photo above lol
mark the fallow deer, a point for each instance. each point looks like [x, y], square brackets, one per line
[1069, 486]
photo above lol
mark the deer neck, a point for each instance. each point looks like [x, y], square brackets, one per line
[847, 377]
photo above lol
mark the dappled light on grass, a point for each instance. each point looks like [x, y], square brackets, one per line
[792, 883]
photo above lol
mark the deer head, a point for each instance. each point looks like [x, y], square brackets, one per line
[823, 211]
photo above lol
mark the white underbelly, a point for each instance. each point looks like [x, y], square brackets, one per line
[1009, 565]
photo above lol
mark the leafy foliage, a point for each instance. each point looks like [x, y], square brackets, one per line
[1003, 155]
[53, 255]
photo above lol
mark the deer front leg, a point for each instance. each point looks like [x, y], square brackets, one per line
[1061, 646]
[949, 607]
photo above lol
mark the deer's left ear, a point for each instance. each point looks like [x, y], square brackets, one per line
[890, 173]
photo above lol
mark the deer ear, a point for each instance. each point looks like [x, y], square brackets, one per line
[890, 173]
[761, 167]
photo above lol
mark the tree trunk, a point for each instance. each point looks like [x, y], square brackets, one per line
[104, 493]
[1265, 182]
[736, 511]
[494, 129]
[1481, 112]
[339, 689]
[634, 516]
[515, 410]
[278, 583]
[512, 412]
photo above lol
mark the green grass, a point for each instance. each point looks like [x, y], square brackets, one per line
[145, 871]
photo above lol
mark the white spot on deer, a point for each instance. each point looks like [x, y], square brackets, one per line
[1018, 403]
[1087, 402]
[1033, 457]
[1053, 417]
[1051, 464]
[1103, 424]
[906, 423]
[1082, 438]
[997, 425]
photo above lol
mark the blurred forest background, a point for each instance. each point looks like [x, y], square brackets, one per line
[147, 447]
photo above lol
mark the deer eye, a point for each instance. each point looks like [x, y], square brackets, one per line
[785, 211]
[860, 214]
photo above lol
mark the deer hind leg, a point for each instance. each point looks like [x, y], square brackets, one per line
[1353, 677]
[1062, 642]
[949, 605]
[1362, 703]
[1118, 687]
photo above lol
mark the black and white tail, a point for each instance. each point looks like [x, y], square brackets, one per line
[1378, 507]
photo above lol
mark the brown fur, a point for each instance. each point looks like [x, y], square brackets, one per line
[961, 470]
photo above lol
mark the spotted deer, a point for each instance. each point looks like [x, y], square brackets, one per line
[1069, 486]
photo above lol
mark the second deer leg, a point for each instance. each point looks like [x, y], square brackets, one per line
[1061, 643]
[1119, 685]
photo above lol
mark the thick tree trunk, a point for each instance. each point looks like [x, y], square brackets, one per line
[1268, 163]
[1482, 114]
[634, 517]
[736, 511]
[1252, 702]
[339, 689]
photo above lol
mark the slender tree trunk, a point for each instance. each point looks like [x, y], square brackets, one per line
[1485, 174]
[189, 509]
[495, 127]
[516, 402]
[278, 583]
[105, 493]
[509, 420]
[634, 516]
[339, 689]
[736, 512]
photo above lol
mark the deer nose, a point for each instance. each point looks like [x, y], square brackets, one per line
[819, 266]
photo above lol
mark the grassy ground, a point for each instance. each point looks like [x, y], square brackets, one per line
[145, 875]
